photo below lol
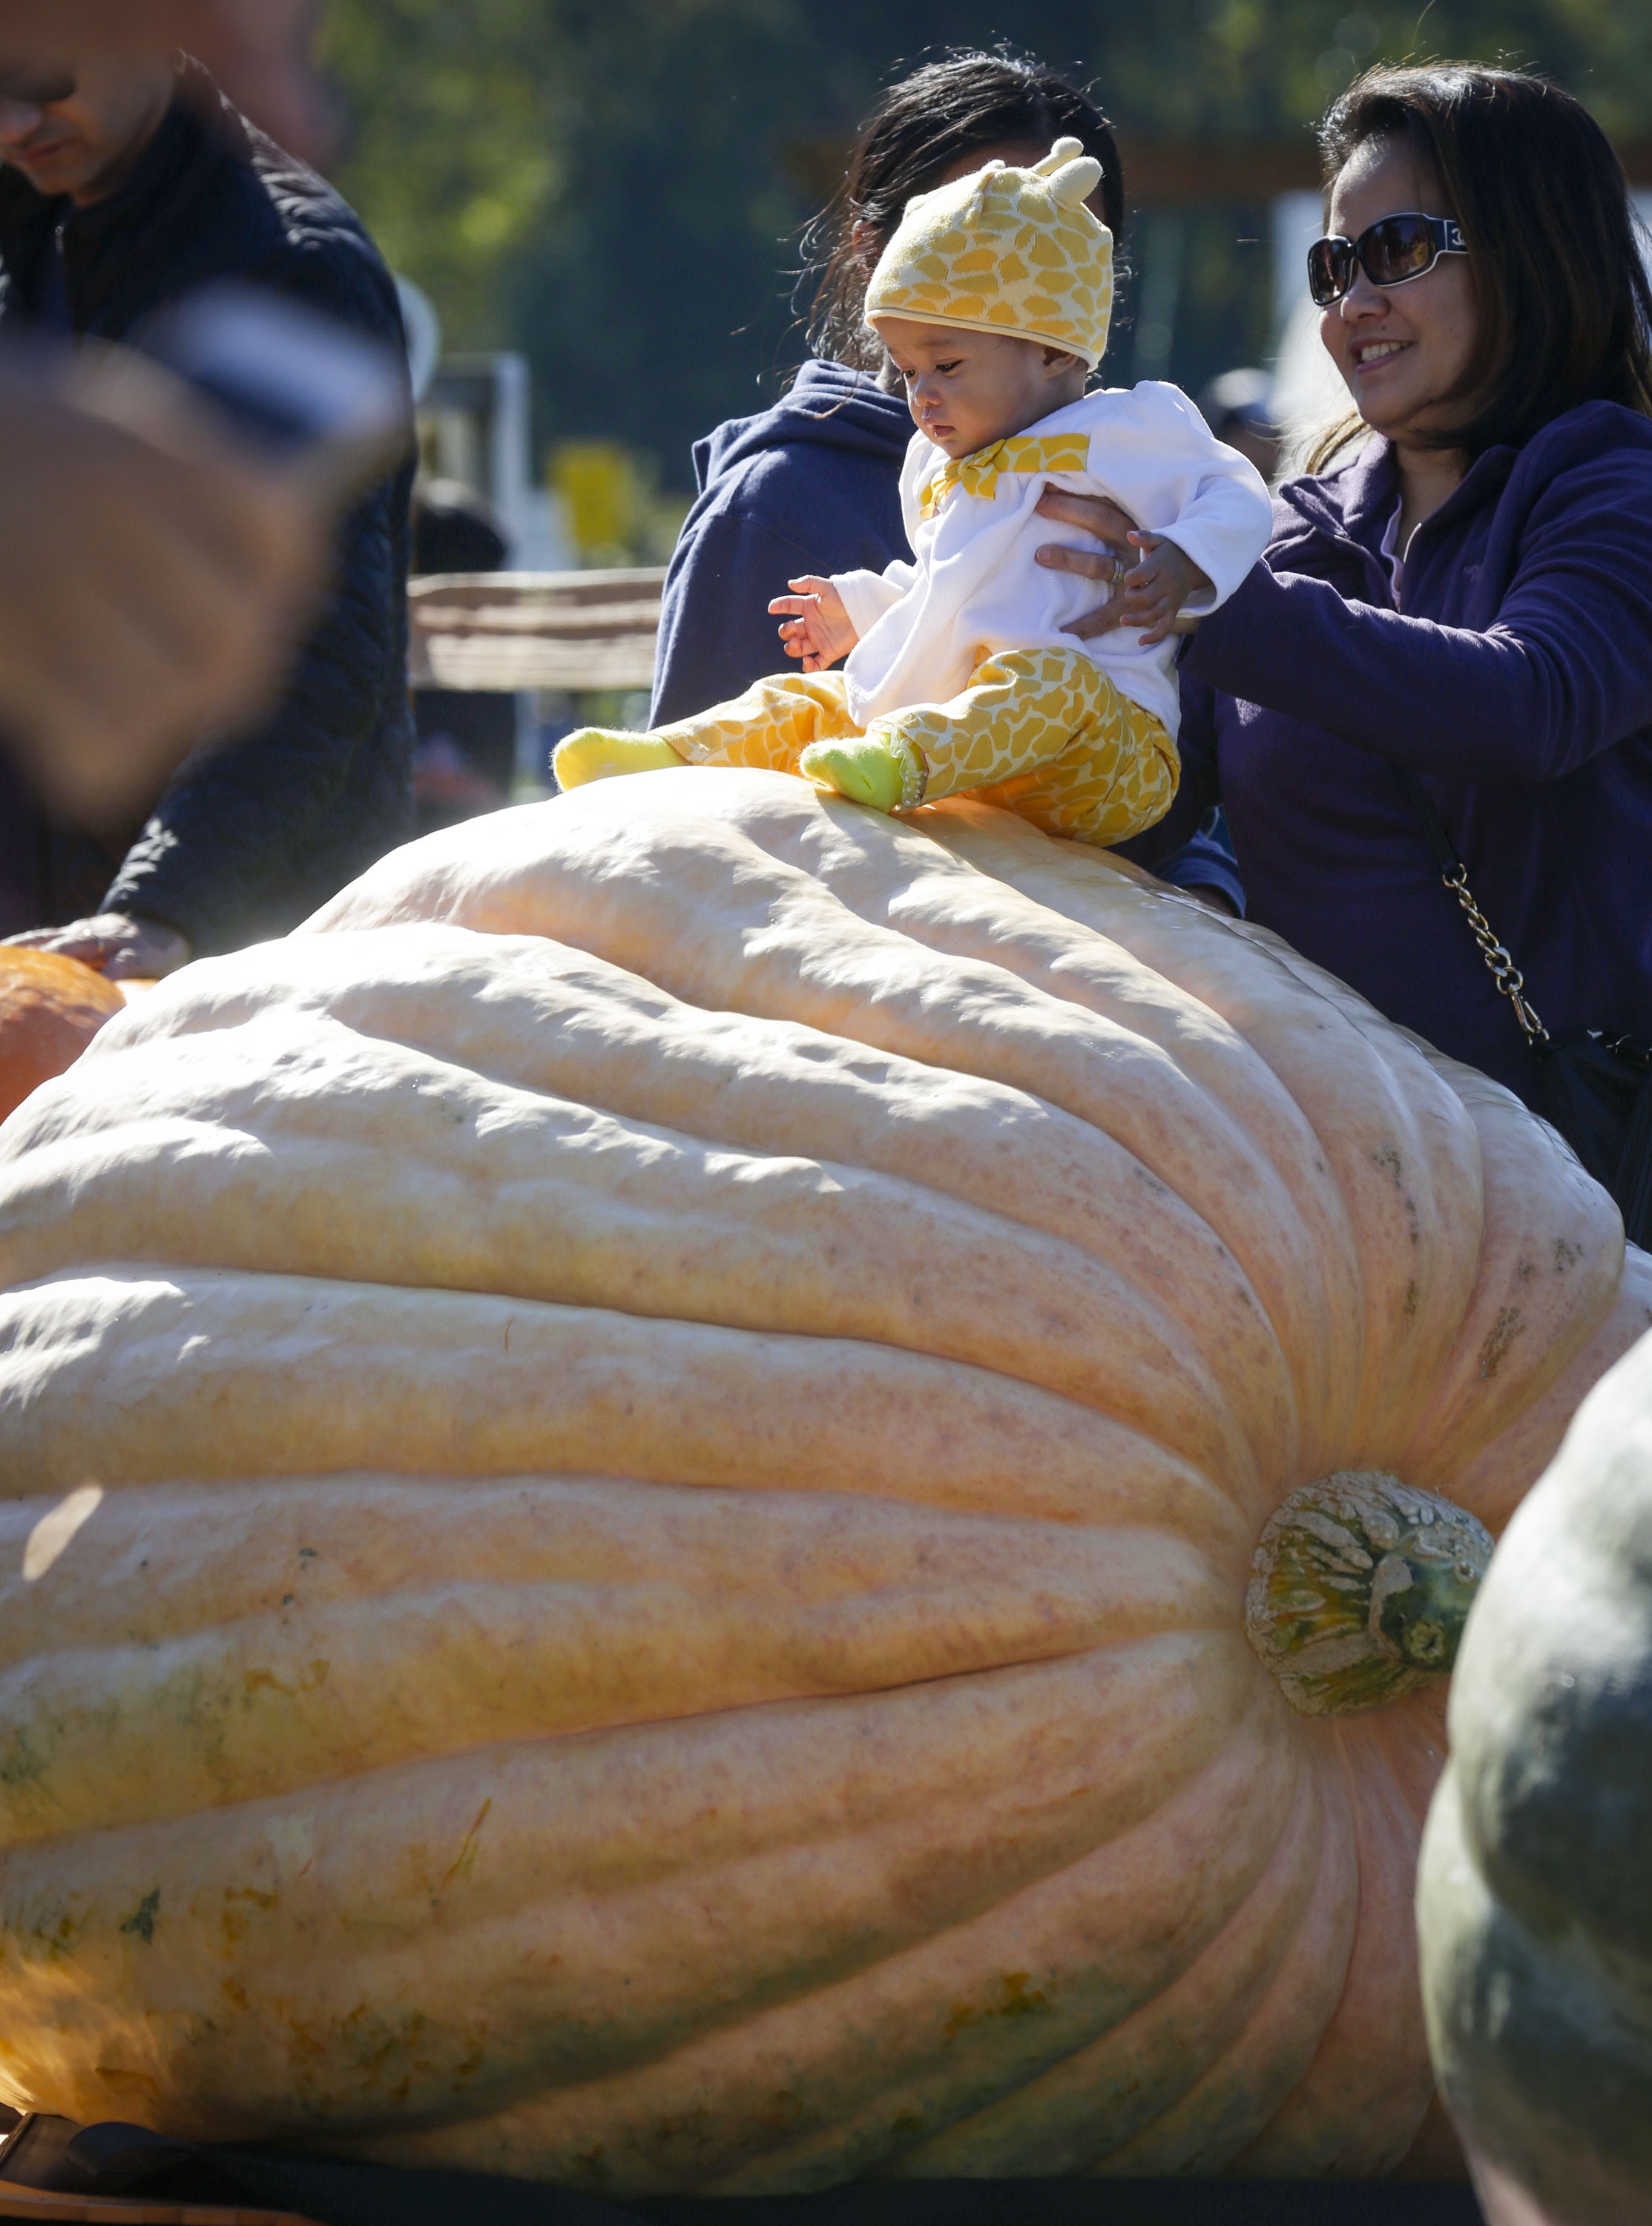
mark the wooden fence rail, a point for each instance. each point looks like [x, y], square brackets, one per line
[500, 632]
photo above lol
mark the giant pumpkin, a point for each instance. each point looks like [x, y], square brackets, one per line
[715, 1493]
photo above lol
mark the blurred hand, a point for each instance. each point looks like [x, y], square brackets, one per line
[1214, 900]
[258, 50]
[153, 582]
[125, 950]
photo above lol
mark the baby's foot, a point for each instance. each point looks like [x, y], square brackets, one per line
[869, 772]
[598, 753]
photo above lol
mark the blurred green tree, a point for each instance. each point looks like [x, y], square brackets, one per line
[454, 140]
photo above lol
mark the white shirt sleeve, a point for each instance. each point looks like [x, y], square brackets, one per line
[1159, 459]
[867, 595]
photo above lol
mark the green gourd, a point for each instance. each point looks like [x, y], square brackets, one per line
[1534, 1895]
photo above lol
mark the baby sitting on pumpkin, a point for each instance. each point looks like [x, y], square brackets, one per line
[994, 298]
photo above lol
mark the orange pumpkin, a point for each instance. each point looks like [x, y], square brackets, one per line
[50, 1009]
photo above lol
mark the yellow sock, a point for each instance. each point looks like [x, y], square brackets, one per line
[598, 753]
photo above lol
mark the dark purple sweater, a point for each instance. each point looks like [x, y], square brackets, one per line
[1515, 677]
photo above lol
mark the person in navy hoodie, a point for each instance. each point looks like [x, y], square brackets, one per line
[813, 484]
[1468, 602]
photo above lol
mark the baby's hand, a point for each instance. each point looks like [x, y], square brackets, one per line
[819, 631]
[1155, 592]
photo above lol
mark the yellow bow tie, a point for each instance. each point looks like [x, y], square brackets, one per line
[1020, 454]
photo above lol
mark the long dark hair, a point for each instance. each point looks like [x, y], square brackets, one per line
[962, 104]
[1564, 306]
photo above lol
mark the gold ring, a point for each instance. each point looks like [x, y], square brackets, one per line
[1119, 570]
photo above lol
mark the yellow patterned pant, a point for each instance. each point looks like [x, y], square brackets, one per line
[1044, 733]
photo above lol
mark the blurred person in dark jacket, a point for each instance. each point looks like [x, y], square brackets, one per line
[135, 187]
[257, 49]
[153, 577]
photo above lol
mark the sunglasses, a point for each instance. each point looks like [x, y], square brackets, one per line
[38, 85]
[1389, 251]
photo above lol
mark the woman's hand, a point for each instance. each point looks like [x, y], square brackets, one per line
[1104, 521]
[818, 630]
[124, 950]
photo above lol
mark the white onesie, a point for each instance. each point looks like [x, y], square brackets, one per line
[976, 586]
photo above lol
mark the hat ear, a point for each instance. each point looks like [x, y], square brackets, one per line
[1062, 151]
[1076, 181]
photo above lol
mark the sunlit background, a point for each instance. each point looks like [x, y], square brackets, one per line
[613, 190]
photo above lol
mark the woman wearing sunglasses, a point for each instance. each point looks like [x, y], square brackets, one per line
[1453, 622]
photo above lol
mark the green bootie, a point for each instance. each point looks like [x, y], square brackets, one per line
[867, 771]
[597, 753]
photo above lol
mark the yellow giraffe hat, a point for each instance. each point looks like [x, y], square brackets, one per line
[1005, 251]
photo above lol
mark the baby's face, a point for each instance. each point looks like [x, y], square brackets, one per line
[968, 390]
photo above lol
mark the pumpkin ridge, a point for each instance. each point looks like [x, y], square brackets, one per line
[1056, 955]
[1387, 2096]
[1528, 1176]
[1190, 2137]
[460, 1395]
[1496, 1477]
[979, 1019]
[1052, 2116]
[633, 1219]
[898, 1989]
[1246, 1354]
[350, 1538]
[1369, 1163]
[492, 1939]
[318, 1699]
[1274, 1905]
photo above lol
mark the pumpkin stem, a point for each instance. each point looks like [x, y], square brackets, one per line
[1360, 1589]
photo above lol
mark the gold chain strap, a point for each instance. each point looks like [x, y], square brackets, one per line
[1499, 964]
